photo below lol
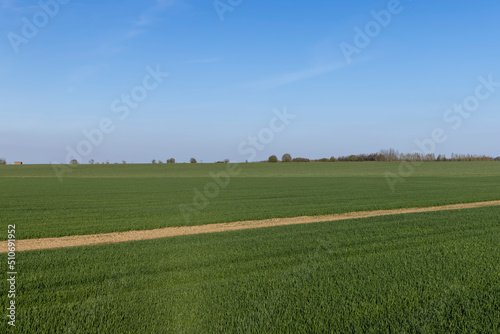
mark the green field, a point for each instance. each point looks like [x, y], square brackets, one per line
[108, 198]
[414, 273]
[327, 169]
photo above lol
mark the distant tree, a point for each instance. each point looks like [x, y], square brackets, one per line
[332, 159]
[124, 162]
[193, 160]
[153, 161]
[496, 159]
[393, 155]
[3, 161]
[300, 160]
[74, 162]
[286, 158]
[171, 161]
[389, 155]
[273, 158]
[323, 160]
[91, 161]
[430, 157]
[246, 161]
[107, 162]
[160, 162]
[226, 161]
[353, 158]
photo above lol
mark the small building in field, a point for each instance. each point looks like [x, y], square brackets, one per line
[18, 162]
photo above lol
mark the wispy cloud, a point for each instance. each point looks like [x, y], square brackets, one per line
[162, 4]
[137, 27]
[81, 74]
[204, 60]
[115, 42]
[293, 77]
[149, 16]
[133, 33]
[144, 20]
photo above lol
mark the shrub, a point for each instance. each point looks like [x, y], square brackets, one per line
[193, 160]
[286, 158]
[353, 158]
[273, 158]
[74, 162]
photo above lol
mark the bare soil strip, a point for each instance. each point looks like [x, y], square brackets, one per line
[116, 237]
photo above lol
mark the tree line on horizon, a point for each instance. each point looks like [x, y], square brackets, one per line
[390, 155]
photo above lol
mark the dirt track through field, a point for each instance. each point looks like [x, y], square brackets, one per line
[116, 237]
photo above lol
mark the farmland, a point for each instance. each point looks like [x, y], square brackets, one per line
[434, 272]
[431, 273]
[110, 198]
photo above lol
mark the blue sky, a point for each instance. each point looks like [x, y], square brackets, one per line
[227, 76]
